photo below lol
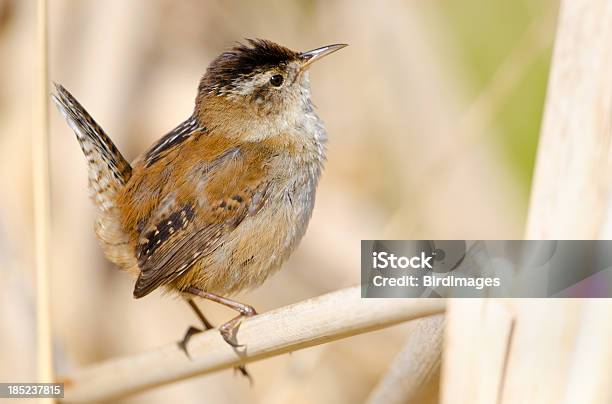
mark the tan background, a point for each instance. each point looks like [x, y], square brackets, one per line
[432, 113]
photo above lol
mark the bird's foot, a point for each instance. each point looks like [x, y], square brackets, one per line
[229, 330]
[191, 331]
[182, 344]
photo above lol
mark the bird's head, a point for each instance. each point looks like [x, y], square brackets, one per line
[257, 88]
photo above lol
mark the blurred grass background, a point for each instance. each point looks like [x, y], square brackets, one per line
[433, 114]
[483, 46]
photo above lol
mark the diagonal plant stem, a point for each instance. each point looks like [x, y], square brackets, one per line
[312, 322]
[413, 376]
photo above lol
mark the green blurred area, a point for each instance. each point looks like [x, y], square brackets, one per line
[518, 121]
[486, 33]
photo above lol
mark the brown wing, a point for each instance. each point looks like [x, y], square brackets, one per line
[212, 203]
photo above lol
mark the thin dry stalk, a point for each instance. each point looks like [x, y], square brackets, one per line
[413, 377]
[312, 322]
[41, 194]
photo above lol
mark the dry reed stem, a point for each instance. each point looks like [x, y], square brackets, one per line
[477, 337]
[572, 187]
[312, 322]
[551, 350]
[41, 195]
[413, 377]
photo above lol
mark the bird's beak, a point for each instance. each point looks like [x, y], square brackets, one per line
[311, 56]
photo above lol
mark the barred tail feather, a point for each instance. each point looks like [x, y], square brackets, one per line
[108, 169]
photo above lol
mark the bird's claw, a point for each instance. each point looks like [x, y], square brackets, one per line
[228, 332]
[182, 344]
[244, 372]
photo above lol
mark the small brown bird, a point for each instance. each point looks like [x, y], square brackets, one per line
[216, 205]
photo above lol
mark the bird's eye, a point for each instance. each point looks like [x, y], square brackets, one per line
[276, 80]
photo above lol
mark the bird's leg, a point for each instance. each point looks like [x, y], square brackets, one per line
[191, 331]
[228, 330]
[198, 312]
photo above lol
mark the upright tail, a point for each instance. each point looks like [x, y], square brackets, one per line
[108, 170]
